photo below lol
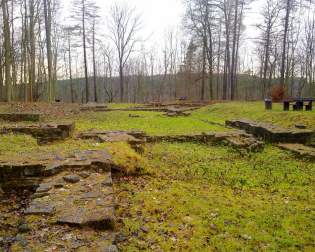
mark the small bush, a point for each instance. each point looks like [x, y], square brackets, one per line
[277, 93]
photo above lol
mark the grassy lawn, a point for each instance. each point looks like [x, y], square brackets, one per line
[193, 197]
[210, 118]
[256, 111]
[211, 198]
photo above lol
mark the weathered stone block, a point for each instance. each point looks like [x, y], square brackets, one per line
[20, 117]
[273, 134]
[44, 133]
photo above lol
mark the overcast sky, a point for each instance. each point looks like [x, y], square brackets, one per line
[158, 16]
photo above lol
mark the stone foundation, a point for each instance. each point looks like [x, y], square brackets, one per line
[300, 150]
[73, 207]
[28, 174]
[238, 139]
[20, 117]
[93, 107]
[273, 133]
[44, 133]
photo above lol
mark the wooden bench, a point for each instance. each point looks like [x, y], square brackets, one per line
[298, 104]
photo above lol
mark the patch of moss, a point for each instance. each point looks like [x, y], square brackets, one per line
[205, 198]
[126, 158]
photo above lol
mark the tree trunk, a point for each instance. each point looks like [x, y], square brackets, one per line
[32, 53]
[284, 45]
[87, 91]
[233, 73]
[121, 82]
[47, 12]
[94, 62]
[70, 69]
[7, 50]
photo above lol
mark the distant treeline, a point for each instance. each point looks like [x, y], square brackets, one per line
[141, 89]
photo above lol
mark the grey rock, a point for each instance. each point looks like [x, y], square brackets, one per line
[53, 169]
[59, 185]
[90, 195]
[108, 182]
[72, 179]
[44, 188]
[111, 248]
[39, 195]
[144, 229]
[84, 174]
[37, 208]
[121, 238]
[21, 239]
[300, 126]
[1, 192]
[24, 228]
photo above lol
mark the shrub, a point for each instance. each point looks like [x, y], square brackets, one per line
[277, 93]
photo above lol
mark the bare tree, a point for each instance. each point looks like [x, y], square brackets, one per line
[84, 14]
[124, 26]
[270, 15]
[7, 49]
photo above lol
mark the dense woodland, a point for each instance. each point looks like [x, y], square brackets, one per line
[89, 56]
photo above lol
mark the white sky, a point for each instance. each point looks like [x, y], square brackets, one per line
[159, 16]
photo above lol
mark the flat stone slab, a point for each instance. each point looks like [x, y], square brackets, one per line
[72, 216]
[20, 117]
[44, 133]
[299, 149]
[88, 202]
[134, 138]
[73, 207]
[18, 174]
[177, 113]
[272, 133]
[40, 208]
[94, 107]
[72, 179]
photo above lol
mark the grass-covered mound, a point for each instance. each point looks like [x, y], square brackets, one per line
[208, 119]
[203, 198]
[21, 148]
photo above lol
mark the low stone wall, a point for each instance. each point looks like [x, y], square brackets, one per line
[238, 139]
[20, 117]
[44, 133]
[300, 150]
[273, 134]
[94, 107]
[27, 174]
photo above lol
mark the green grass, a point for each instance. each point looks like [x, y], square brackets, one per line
[208, 119]
[198, 197]
[153, 123]
[256, 111]
[211, 198]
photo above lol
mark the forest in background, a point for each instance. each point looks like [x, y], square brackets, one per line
[88, 57]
